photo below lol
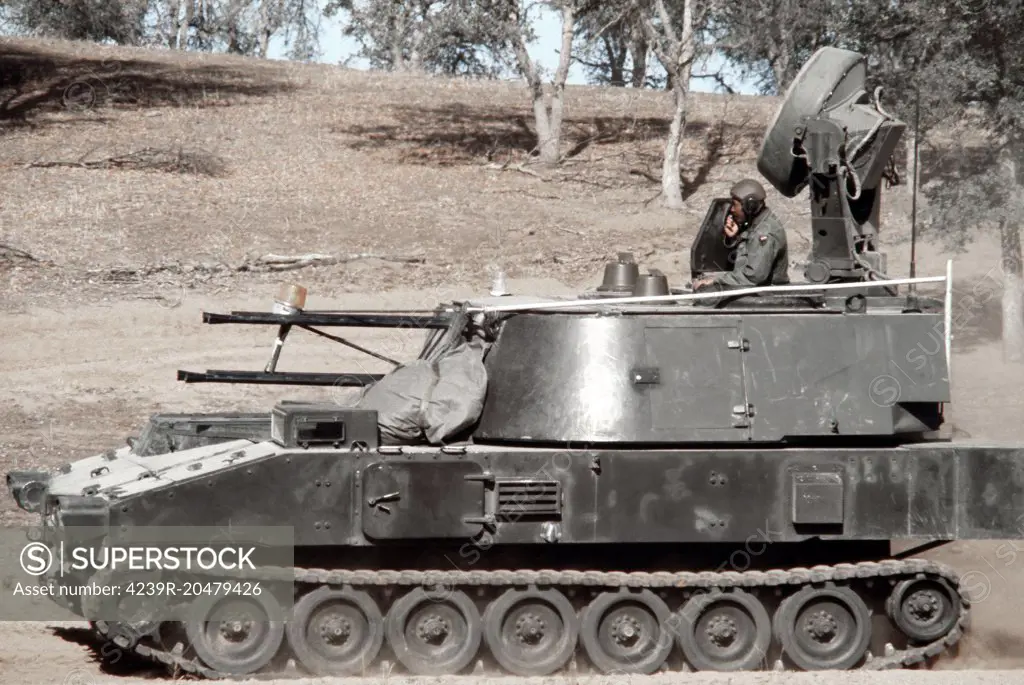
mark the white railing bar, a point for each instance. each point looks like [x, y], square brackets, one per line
[615, 301]
[949, 320]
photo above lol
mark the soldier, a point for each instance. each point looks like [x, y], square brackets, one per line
[762, 256]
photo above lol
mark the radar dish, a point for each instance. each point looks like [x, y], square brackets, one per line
[829, 77]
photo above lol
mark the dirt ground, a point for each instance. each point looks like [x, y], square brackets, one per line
[106, 268]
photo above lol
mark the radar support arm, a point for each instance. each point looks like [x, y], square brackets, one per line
[829, 135]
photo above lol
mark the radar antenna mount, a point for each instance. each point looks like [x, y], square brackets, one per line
[830, 135]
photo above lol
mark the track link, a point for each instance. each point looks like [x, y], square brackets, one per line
[840, 574]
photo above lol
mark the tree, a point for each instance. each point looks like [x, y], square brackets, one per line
[243, 27]
[614, 48]
[674, 33]
[228, 25]
[966, 62]
[771, 39]
[451, 37]
[298, 24]
[122, 21]
[899, 56]
[548, 108]
[392, 34]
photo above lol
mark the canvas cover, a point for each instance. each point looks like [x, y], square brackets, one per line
[430, 400]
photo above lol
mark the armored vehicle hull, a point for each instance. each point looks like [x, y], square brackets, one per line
[526, 546]
[640, 479]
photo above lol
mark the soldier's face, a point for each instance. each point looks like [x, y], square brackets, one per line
[737, 211]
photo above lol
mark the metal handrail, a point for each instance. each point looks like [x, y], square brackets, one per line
[615, 301]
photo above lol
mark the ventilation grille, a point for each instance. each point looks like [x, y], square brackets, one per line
[528, 499]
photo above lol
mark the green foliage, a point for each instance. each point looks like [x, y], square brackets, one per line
[238, 26]
[965, 60]
[769, 40]
[611, 45]
[454, 37]
[121, 21]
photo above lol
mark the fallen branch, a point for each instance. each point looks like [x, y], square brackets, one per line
[592, 160]
[175, 161]
[515, 167]
[272, 262]
[579, 147]
[652, 198]
[522, 193]
[646, 174]
[9, 251]
[578, 178]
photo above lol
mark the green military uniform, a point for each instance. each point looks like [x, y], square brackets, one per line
[762, 256]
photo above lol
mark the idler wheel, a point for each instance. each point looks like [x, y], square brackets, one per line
[531, 632]
[626, 632]
[823, 628]
[924, 609]
[434, 633]
[336, 632]
[235, 635]
[724, 631]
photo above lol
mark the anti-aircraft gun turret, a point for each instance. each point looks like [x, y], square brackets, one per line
[625, 476]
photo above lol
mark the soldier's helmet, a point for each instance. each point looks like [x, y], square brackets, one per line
[752, 196]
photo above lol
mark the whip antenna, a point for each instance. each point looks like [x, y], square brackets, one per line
[913, 191]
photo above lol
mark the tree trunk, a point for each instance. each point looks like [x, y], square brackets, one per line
[780, 71]
[616, 63]
[415, 62]
[551, 154]
[174, 15]
[235, 11]
[540, 110]
[548, 119]
[1013, 280]
[1013, 291]
[186, 24]
[396, 35]
[783, 61]
[264, 30]
[682, 55]
[547, 139]
[638, 54]
[913, 164]
[671, 174]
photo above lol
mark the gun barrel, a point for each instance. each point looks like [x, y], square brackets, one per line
[338, 380]
[411, 320]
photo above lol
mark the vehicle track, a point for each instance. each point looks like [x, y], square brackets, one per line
[861, 577]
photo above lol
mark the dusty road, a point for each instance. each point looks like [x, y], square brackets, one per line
[34, 654]
[75, 381]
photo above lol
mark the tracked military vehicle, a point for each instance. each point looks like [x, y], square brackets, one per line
[641, 478]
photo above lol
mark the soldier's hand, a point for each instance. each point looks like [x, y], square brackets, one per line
[731, 229]
[702, 281]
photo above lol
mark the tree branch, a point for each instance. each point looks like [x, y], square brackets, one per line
[565, 56]
[717, 77]
[16, 252]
